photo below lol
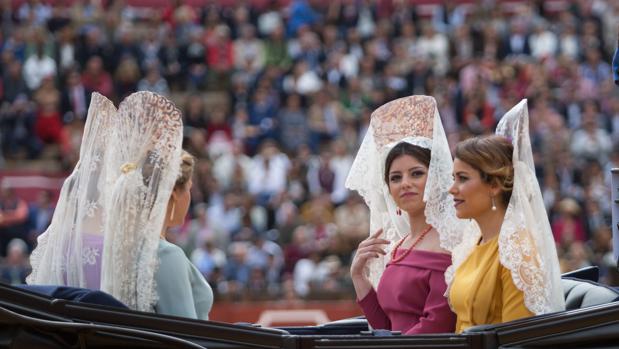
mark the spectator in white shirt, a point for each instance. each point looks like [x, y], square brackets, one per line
[248, 50]
[37, 67]
[543, 42]
[340, 164]
[268, 172]
[435, 47]
[591, 142]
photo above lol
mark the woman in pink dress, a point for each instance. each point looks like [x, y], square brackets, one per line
[403, 171]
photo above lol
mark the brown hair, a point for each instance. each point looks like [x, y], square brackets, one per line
[492, 157]
[421, 154]
[187, 164]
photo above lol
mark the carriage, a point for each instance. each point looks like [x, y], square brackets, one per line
[34, 317]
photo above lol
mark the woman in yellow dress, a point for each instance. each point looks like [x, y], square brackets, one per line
[506, 268]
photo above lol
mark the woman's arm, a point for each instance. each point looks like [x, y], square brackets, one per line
[513, 299]
[173, 284]
[366, 296]
[370, 248]
[373, 312]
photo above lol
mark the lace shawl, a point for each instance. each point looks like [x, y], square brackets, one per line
[63, 255]
[143, 162]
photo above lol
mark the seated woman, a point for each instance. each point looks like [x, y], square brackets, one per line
[181, 288]
[149, 192]
[132, 182]
[403, 171]
[506, 267]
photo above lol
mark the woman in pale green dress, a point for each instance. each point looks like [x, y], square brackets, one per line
[149, 183]
[181, 288]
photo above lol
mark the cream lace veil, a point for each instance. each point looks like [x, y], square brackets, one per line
[414, 120]
[526, 244]
[62, 255]
[144, 162]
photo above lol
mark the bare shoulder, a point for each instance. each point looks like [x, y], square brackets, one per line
[432, 243]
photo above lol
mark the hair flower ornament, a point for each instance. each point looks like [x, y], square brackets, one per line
[128, 167]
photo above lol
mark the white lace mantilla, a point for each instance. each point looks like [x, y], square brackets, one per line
[144, 161]
[90, 255]
[58, 258]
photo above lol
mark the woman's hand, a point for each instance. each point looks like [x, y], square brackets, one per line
[372, 247]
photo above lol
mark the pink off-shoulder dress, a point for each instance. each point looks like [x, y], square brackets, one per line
[411, 295]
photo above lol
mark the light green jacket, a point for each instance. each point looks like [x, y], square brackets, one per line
[181, 288]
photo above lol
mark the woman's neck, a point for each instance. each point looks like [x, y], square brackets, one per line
[418, 223]
[490, 223]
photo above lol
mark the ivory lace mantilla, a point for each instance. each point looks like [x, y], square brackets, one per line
[144, 162]
[64, 254]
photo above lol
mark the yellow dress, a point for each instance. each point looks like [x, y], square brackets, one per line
[483, 292]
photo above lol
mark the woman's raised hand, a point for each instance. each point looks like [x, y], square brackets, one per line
[372, 247]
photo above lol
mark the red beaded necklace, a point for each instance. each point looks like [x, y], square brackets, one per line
[417, 241]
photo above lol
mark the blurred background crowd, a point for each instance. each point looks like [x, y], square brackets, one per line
[277, 96]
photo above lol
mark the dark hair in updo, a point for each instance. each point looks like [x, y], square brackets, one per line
[421, 154]
[492, 157]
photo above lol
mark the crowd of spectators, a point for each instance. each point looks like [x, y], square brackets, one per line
[276, 98]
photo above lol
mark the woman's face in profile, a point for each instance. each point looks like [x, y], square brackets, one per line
[407, 182]
[472, 196]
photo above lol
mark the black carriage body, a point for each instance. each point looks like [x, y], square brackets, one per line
[31, 320]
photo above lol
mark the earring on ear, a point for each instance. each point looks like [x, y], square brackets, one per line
[172, 211]
[493, 204]
[398, 212]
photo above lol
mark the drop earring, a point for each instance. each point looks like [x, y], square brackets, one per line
[493, 204]
[398, 212]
